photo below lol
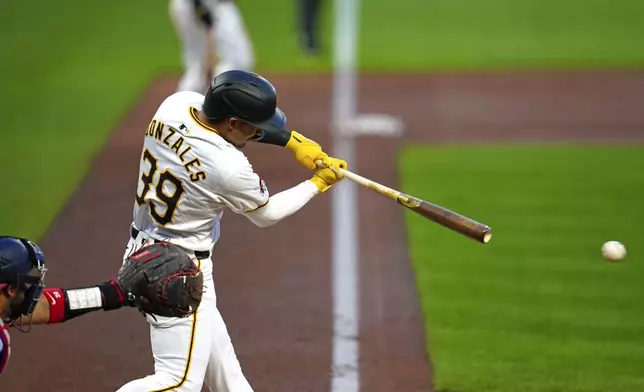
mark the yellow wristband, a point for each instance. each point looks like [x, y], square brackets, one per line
[322, 186]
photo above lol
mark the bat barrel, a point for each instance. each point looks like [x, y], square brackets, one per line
[472, 229]
[464, 225]
[449, 219]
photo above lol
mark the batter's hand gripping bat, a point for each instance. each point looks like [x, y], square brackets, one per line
[444, 217]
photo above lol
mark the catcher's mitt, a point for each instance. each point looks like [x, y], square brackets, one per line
[161, 279]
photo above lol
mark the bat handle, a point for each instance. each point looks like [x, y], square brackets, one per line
[365, 182]
[320, 164]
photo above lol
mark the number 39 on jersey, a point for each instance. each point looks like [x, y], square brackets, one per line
[167, 187]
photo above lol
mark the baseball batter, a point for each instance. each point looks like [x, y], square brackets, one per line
[24, 301]
[205, 25]
[192, 170]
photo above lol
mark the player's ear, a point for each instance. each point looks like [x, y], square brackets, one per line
[233, 122]
[8, 290]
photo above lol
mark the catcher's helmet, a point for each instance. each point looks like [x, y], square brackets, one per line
[245, 95]
[22, 264]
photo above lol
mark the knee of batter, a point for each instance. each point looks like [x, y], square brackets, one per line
[224, 370]
[181, 348]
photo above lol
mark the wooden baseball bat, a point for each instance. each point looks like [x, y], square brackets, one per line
[441, 215]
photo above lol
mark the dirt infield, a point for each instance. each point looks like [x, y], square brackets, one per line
[274, 294]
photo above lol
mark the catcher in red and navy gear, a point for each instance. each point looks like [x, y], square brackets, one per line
[159, 279]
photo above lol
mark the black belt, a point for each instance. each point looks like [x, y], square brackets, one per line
[200, 254]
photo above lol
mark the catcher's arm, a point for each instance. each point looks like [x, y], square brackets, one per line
[40, 315]
[158, 279]
[59, 305]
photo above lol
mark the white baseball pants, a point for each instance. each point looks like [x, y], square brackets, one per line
[190, 351]
[229, 37]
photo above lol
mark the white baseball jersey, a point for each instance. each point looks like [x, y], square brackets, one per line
[188, 175]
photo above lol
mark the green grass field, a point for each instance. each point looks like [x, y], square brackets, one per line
[536, 309]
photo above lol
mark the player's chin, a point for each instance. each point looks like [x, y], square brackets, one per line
[242, 143]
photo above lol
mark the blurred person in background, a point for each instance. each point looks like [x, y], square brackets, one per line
[205, 27]
[308, 21]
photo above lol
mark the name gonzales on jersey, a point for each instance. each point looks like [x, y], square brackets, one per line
[171, 138]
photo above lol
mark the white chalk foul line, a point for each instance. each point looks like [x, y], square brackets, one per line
[345, 372]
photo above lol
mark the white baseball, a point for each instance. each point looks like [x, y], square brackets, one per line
[613, 251]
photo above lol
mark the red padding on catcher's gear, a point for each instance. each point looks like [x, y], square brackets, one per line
[118, 290]
[56, 299]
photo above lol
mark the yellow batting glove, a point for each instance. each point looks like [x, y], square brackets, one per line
[329, 175]
[305, 150]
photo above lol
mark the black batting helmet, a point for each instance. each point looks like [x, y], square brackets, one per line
[245, 95]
